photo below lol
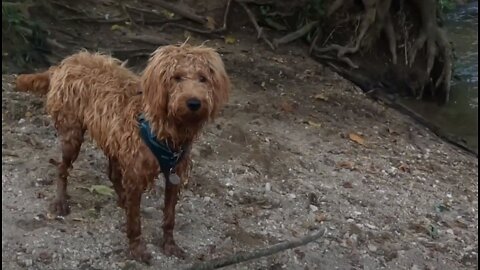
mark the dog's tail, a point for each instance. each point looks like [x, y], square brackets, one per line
[38, 83]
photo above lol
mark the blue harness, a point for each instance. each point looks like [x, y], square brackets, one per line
[167, 159]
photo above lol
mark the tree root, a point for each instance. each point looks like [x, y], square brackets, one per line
[255, 254]
[376, 18]
[260, 33]
[295, 35]
[340, 57]
[436, 42]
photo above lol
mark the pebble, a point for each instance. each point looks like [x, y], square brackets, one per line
[207, 199]
[313, 208]
[372, 248]
[268, 187]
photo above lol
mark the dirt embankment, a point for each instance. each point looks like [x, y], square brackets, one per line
[280, 162]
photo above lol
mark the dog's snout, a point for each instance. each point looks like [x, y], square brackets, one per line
[194, 104]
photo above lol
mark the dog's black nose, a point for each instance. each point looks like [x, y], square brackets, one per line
[194, 104]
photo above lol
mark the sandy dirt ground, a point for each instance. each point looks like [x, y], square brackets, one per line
[297, 149]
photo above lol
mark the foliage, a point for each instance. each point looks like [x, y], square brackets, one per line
[446, 5]
[20, 35]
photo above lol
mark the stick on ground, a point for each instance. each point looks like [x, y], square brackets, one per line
[246, 256]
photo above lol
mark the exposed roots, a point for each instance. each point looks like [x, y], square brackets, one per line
[375, 19]
[434, 40]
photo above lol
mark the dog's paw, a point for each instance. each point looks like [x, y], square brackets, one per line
[171, 249]
[139, 252]
[60, 207]
[121, 202]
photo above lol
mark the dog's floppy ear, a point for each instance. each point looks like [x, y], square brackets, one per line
[155, 82]
[220, 80]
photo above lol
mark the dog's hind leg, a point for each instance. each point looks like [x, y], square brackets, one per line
[71, 139]
[115, 175]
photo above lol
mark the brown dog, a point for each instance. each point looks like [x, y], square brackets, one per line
[128, 116]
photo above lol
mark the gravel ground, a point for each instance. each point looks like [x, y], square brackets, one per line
[297, 149]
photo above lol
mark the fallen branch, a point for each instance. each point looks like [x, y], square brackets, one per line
[259, 29]
[127, 13]
[67, 7]
[117, 20]
[294, 35]
[179, 11]
[153, 40]
[186, 27]
[143, 10]
[49, 41]
[257, 2]
[340, 57]
[247, 256]
[202, 31]
[95, 19]
[225, 17]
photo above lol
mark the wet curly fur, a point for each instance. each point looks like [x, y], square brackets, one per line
[95, 93]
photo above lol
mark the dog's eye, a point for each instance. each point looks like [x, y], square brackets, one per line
[177, 78]
[202, 79]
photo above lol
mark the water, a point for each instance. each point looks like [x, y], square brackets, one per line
[459, 118]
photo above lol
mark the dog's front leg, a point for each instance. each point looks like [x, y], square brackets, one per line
[171, 196]
[137, 246]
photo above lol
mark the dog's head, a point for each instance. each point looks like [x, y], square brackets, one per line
[185, 84]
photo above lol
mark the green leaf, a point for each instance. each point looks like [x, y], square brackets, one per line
[230, 39]
[102, 190]
[441, 207]
[433, 231]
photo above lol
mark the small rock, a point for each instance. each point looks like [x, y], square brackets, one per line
[292, 196]
[313, 208]
[207, 199]
[347, 185]
[415, 267]
[230, 192]
[21, 121]
[45, 257]
[148, 212]
[372, 248]
[321, 217]
[25, 262]
[268, 187]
